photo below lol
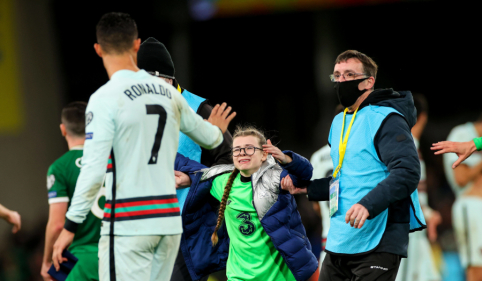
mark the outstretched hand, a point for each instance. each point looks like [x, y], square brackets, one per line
[277, 153]
[220, 116]
[182, 180]
[462, 149]
[287, 184]
[14, 219]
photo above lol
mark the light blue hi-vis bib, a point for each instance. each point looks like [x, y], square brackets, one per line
[417, 219]
[361, 172]
[188, 147]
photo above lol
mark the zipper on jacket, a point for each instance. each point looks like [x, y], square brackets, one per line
[282, 255]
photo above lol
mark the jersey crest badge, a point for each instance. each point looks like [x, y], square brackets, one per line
[78, 162]
[88, 118]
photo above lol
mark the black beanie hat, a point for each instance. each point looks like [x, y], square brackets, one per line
[154, 58]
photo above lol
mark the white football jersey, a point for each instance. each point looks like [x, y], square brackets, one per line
[322, 168]
[132, 128]
[460, 133]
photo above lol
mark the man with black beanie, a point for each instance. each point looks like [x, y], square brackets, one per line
[154, 58]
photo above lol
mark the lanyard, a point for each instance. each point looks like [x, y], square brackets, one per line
[342, 147]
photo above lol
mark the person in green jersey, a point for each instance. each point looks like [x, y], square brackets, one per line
[266, 238]
[462, 149]
[61, 179]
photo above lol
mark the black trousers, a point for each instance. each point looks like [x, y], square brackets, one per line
[180, 271]
[372, 266]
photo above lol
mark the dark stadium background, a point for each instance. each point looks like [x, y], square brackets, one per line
[271, 65]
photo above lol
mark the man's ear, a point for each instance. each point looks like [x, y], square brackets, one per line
[98, 49]
[371, 82]
[63, 130]
[137, 44]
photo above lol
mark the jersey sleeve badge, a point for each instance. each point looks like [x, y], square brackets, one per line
[88, 118]
[50, 181]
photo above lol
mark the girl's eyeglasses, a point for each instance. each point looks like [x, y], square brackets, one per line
[250, 150]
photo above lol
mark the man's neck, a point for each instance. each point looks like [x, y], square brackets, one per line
[114, 63]
[359, 101]
[73, 141]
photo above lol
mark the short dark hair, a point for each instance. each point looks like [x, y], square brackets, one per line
[116, 32]
[369, 65]
[420, 104]
[73, 118]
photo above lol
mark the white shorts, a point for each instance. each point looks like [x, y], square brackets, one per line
[420, 264]
[322, 258]
[140, 258]
[467, 223]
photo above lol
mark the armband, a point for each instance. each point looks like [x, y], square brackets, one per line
[70, 225]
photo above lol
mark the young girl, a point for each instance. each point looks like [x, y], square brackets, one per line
[265, 238]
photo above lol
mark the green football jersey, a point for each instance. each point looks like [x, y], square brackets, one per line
[252, 255]
[61, 179]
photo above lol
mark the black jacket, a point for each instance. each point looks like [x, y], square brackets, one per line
[396, 149]
[222, 153]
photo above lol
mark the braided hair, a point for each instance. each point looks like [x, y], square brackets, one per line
[240, 131]
[222, 208]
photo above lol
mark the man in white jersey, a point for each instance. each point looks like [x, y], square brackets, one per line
[420, 263]
[466, 182]
[132, 128]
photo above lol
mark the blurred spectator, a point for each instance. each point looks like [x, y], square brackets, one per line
[420, 264]
[466, 182]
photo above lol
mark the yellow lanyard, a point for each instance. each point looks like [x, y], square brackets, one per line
[342, 147]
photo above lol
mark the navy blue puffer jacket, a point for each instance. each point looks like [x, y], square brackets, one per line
[280, 219]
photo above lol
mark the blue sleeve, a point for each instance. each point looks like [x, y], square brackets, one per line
[187, 166]
[301, 172]
[300, 167]
[396, 149]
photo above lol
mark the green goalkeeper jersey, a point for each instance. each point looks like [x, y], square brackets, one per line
[61, 179]
[252, 255]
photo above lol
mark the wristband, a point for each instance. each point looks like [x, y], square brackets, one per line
[70, 225]
[478, 143]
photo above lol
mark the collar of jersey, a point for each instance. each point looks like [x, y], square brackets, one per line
[77, 147]
[128, 73]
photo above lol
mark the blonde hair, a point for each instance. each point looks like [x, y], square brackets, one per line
[241, 131]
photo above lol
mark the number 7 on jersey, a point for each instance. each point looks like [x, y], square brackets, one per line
[159, 110]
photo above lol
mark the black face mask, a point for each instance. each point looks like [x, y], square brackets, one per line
[348, 92]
